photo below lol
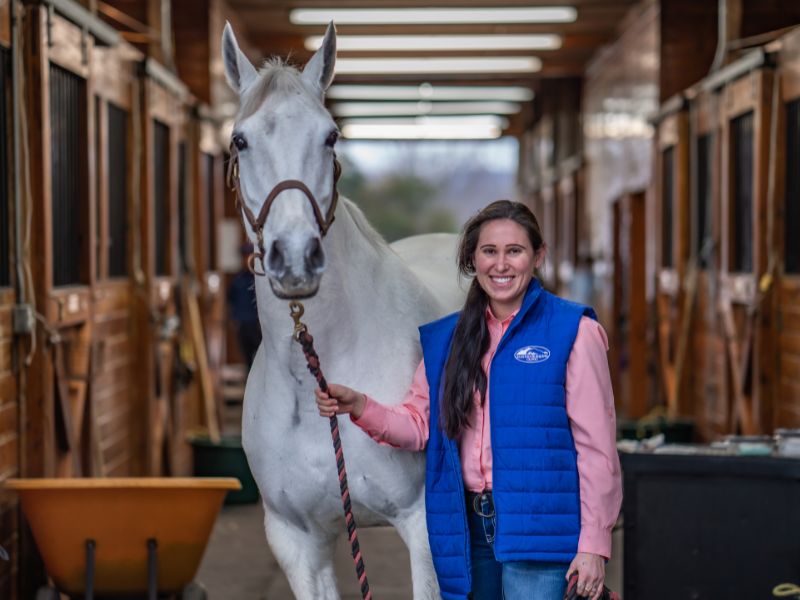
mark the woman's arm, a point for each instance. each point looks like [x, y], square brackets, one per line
[403, 426]
[590, 408]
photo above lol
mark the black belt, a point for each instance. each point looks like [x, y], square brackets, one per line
[475, 499]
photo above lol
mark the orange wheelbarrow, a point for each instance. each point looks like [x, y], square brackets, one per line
[126, 537]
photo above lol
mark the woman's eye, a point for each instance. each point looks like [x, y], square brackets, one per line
[239, 141]
[332, 138]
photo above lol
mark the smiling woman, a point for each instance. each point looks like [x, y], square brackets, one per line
[547, 442]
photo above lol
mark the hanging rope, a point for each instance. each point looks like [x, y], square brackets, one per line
[305, 340]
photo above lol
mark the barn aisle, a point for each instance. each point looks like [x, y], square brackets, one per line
[239, 565]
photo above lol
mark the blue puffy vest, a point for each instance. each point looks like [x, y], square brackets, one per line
[534, 467]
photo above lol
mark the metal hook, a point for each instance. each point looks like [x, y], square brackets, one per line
[297, 309]
[251, 264]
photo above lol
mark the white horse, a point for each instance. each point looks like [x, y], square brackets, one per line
[363, 315]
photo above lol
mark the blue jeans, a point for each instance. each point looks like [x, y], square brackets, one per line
[513, 580]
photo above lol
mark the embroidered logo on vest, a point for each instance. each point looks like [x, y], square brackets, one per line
[532, 354]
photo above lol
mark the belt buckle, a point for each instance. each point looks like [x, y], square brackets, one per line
[477, 500]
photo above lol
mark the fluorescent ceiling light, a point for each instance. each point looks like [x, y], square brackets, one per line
[432, 121]
[422, 107]
[417, 43]
[393, 16]
[474, 64]
[411, 131]
[426, 128]
[426, 91]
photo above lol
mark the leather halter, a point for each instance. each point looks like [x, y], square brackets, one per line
[257, 222]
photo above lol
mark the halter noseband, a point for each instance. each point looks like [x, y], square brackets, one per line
[257, 223]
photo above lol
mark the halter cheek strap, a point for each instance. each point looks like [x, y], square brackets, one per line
[257, 222]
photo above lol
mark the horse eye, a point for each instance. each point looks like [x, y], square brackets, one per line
[239, 141]
[332, 138]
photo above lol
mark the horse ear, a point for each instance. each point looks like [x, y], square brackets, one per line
[318, 72]
[238, 68]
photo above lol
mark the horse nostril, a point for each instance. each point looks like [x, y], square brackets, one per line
[315, 257]
[275, 261]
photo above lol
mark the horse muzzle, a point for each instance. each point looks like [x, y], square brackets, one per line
[294, 288]
[294, 271]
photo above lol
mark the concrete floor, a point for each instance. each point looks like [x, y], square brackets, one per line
[239, 565]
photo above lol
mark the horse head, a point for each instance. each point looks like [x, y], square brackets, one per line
[283, 163]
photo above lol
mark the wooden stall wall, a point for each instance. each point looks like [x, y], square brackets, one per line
[116, 404]
[620, 93]
[209, 161]
[674, 293]
[708, 389]
[786, 306]
[61, 141]
[745, 229]
[163, 102]
[9, 403]
[572, 274]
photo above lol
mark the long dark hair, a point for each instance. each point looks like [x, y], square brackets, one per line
[463, 372]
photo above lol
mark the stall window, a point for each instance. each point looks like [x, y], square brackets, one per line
[742, 209]
[5, 191]
[161, 194]
[68, 162]
[792, 213]
[703, 193]
[667, 204]
[98, 141]
[117, 191]
[182, 216]
[208, 174]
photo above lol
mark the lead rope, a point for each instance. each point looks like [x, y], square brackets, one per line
[306, 341]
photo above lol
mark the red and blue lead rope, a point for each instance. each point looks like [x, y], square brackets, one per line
[312, 361]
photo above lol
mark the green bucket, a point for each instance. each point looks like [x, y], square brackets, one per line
[225, 459]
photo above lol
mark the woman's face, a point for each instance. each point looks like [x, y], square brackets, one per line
[504, 264]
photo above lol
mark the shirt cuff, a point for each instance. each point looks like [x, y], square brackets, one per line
[595, 540]
[371, 417]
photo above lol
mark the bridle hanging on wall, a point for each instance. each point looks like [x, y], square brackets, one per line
[257, 222]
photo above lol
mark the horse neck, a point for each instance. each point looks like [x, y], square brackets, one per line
[349, 292]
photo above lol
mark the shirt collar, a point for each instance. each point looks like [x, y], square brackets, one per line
[494, 320]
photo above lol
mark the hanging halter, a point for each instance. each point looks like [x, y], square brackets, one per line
[257, 223]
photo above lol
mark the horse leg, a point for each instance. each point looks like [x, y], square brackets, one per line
[305, 556]
[414, 533]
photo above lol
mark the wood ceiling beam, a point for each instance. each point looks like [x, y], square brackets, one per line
[549, 70]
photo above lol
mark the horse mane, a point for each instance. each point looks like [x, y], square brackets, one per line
[275, 76]
[364, 226]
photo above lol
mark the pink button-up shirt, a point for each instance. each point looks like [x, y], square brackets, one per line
[590, 408]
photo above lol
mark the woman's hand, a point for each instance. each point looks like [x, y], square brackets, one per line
[591, 570]
[340, 400]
